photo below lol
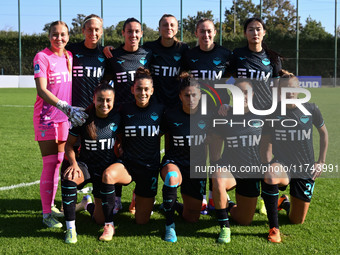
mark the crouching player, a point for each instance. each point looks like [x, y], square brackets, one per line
[98, 137]
[185, 133]
[292, 147]
[141, 153]
[241, 135]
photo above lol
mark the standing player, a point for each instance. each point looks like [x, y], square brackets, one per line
[52, 73]
[167, 54]
[241, 135]
[208, 62]
[259, 63]
[98, 138]
[292, 149]
[185, 134]
[88, 68]
[141, 153]
[88, 61]
[121, 68]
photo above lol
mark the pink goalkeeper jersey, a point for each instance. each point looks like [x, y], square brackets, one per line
[54, 68]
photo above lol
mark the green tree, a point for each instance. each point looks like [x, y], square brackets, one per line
[189, 23]
[77, 24]
[313, 30]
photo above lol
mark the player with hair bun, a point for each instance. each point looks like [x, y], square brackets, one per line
[181, 123]
[140, 159]
[121, 69]
[292, 149]
[52, 110]
[97, 136]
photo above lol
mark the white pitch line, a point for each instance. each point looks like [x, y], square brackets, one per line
[19, 185]
[23, 106]
[31, 183]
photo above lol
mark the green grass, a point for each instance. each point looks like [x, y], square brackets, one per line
[22, 232]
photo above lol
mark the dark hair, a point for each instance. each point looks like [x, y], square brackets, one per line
[240, 80]
[168, 16]
[129, 20]
[286, 76]
[92, 16]
[143, 73]
[274, 57]
[186, 79]
[203, 20]
[91, 110]
[67, 56]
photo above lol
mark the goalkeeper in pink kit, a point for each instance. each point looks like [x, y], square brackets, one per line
[52, 112]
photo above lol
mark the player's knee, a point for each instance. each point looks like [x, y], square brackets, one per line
[171, 179]
[109, 176]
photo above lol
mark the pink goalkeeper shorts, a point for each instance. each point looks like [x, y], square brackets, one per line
[53, 131]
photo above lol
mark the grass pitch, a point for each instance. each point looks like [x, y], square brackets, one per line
[22, 231]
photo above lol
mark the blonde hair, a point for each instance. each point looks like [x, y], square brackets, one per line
[67, 56]
[168, 16]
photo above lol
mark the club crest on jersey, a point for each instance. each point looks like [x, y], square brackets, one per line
[154, 116]
[194, 60]
[113, 127]
[36, 68]
[101, 59]
[143, 61]
[177, 124]
[304, 119]
[201, 124]
[79, 55]
[177, 57]
[266, 61]
[42, 133]
[255, 123]
[217, 61]
[120, 61]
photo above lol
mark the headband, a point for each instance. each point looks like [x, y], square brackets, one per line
[95, 18]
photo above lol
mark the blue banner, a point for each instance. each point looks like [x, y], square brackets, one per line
[310, 81]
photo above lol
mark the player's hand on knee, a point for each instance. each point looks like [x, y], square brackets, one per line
[107, 51]
[72, 173]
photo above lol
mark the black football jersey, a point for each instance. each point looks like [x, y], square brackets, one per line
[165, 68]
[121, 68]
[256, 66]
[292, 136]
[87, 71]
[187, 134]
[98, 154]
[141, 133]
[210, 66]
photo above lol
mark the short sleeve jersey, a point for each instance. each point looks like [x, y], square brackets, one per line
[256, 66]
[292, 134]
[165, 68]
[121, 68]
[54, 68]
[98, 153]
[141, 133]
[187, 134]
[241, 135]
[209, 66]
[88, 69]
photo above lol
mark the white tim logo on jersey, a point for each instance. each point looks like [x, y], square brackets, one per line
[253, 74]
[193, 140]
[243, 141]
[88, 71]
[103, 144]
[131, 131]
[166, 71]
[123, 76]
[207, 74]
[57, 78]
[293, 135]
